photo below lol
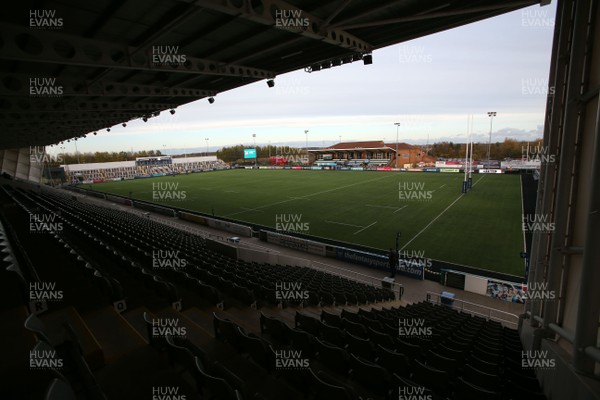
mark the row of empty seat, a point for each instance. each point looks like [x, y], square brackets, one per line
[335, 354]
[142, 245]
[57, 368]
[455, 355]
[130, 172]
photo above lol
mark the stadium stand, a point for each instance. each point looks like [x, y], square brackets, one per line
[124, 280]
[96, 172]
[104, 340]
[354, 354]
[371, 154]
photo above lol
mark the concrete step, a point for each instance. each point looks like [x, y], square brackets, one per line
[194, 332]
[54, 321]
[202, 318]
[15, 353]
[288, 319]
[135, 318]
[248, 318]
[137, 373]
[115, 334]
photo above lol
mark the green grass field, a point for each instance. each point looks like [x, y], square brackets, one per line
[481, 229]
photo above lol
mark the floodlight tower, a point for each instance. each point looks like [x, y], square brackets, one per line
[490, 114]
[77, 151]
[470, 179]
[256, 156]
[306, 134]
[464, 185]
[397, 127]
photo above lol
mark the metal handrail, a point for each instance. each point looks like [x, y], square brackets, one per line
[357, 276]
[559, 330]
[591, 351]
[487, 315]
[256, 247]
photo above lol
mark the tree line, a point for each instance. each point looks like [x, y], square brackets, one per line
[509, 148]
[103, 156]
[235, 154]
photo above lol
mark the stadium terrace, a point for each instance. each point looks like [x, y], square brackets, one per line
[366, 270]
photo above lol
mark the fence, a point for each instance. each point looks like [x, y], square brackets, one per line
[356, 276]
[507, 319]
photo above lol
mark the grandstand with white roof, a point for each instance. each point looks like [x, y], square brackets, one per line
[142, 167]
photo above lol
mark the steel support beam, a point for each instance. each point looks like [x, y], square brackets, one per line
[76, 128]
[441, 14]
[61, 105]
[23, 44]
[586, 352]
[378, 8]
[559, 263]
[338, 10]
[158, 34]
[588, 313]
[540, 244]
[267, 14]
[37, 119]
[20, 85]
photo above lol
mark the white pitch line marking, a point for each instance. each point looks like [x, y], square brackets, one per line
[442, 186]
[365, 228]
[230, 191]
[342, 223]
[251, 209]
[479, 180]
[401, 208]
[377, 206]
[317, 193]
[435, 219]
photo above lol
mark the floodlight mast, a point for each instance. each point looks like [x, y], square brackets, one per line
[397, 127]
[464, 186]
[307, 156]
[490, 114]
[470, 179]
[256, 155]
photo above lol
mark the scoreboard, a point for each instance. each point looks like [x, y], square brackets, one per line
[249, 153]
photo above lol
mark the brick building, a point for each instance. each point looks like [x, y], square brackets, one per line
[370, 153]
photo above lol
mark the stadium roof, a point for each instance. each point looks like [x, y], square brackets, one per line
[375, 144]
[402, 146]
[370, 145]
[72, 67]
[131, 163]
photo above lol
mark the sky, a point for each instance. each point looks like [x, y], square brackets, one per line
[429, 85]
